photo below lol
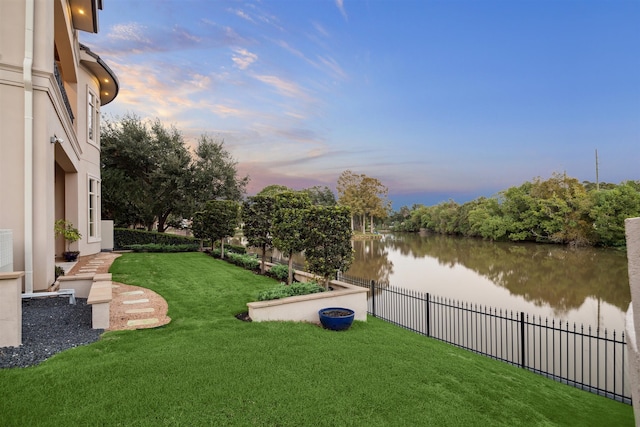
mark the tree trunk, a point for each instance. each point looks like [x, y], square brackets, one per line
[264, 258]
[364, 224]
[162, 222]
[290, 278]
[371, 223]
[222, 248]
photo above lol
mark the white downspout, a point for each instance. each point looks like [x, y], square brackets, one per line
[27, 74]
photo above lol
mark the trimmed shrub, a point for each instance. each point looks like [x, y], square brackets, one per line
[279, 272]
[248, 262]
[155, 247]
[245, 261]
[125, 237]
[283, 291]
[239, 249]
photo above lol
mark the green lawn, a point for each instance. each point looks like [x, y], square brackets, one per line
[208, 368]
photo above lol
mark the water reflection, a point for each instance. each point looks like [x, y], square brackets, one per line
[586, 285]
[371, 261]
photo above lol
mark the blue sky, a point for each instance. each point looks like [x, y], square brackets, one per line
[437, 99]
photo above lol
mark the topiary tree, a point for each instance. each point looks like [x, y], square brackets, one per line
[327, 243]
[218, 220]
[257, 216]
[289, 225]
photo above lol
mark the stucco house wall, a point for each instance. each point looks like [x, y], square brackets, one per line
[47, 156]
[632, 233]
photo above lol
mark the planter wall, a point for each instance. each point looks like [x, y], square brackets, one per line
[304, 308]
[82, 283]
[11, 309]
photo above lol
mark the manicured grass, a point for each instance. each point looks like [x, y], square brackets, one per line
[208, 368]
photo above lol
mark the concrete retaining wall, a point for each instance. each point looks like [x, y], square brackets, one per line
[304, 308]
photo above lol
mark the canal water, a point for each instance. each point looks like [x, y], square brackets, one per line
[585, 286]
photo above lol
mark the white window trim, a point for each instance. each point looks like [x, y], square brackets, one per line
[93, 118]
[97, 237]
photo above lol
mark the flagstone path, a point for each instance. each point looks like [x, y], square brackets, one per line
[132, 307]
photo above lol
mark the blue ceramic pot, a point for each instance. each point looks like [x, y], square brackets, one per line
[336, 318]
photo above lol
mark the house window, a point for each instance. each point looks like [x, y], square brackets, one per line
[94, 208]
[93, 114]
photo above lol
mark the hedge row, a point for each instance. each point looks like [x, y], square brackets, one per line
[248, 262]
[123, 238]
[295, 289]
[157, 247]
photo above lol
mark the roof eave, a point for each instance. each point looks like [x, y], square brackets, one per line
[109, 85]
[84, 14]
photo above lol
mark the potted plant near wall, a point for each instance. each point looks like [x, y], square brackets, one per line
[70, 234]
[336, 318]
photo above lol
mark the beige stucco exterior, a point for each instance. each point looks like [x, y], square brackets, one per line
[632, 231]
[49, 147]
[10, 309]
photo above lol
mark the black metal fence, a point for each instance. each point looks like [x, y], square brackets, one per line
[592, 360]
[586, 358]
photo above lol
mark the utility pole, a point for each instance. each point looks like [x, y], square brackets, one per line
[597, 173]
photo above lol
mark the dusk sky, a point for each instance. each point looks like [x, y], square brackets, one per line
[439, 100]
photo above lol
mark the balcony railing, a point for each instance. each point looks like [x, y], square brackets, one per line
[65, 98]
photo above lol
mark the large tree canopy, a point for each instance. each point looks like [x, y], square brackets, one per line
[214, 173]
[322, 196]
[365, 196]
[149, 175]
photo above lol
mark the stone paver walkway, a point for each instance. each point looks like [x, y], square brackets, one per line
[132, 307]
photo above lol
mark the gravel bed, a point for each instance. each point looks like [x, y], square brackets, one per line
[49, 326]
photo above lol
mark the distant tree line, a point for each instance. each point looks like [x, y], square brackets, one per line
[557, 210]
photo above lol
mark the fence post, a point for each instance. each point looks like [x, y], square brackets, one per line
[373, 298]
[523, 346]
[428, 315]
